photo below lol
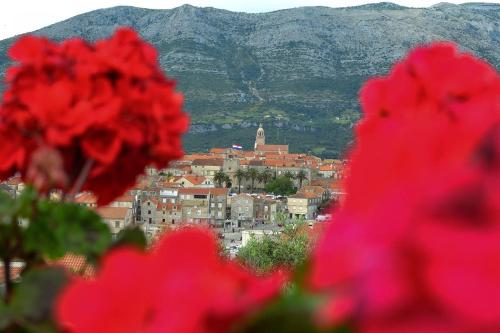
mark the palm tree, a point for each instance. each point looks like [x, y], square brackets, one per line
[252, 174]
[220, 177]
[265, 176]
[288, 174]
[301, 176]
[240, 174]
[227, 181]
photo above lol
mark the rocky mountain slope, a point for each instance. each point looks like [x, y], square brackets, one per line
[297, 70]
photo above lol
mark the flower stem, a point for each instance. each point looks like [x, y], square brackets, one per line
[80, 180]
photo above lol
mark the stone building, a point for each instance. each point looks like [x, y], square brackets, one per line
[204, 205]
[303, 205]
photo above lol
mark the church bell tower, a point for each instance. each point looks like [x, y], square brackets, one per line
[260, 138]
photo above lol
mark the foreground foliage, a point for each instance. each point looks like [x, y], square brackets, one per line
[286, 249]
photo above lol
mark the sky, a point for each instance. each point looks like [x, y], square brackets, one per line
[19, 16]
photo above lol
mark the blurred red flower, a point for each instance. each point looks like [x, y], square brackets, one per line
[416, 245]
[107, 102]
[181, 286]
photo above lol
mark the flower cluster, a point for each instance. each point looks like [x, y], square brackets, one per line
[106, 108]
[181, 286]
[416, 245]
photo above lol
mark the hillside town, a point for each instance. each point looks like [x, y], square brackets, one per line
[227, 189]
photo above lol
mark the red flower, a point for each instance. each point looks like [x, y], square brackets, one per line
[182, 286]
[416, 245]
[108, 103]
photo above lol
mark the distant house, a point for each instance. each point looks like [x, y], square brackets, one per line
[303, 205]
[207, 167]
[194, 181]
[204, 205]
[117, 218]
[86, 199]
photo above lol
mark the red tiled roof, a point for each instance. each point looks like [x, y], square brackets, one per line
[76, 265]
[204, 191]
[193, 157]
[218, 150]
[14, 273]
[209, 162]
[86, 198]
[118, 213]
[16, 180]
[193, 179]
[268, 148]
[337, 184]
[304, 195]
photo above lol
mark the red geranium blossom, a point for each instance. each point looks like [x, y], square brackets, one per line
[182, 286]
[106, 105]
[416, 245]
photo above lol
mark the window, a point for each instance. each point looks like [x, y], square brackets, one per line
[219, 205]
[163, 220]
[149, 203]
[150, 220]
[117, 224]
[212, 205]
[173, 221]
[149, 211]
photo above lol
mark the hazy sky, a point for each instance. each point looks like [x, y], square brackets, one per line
[18, 16]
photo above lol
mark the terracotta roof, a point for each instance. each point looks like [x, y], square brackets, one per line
[247, 153]
[193, 179]
[267, 148]
[256, 163]
[16, 180]
[328, 167]
[76, 265]
[305, 195]
[14, 272]
[193, 157]
[313, 189]
[204, 191]
[86, 198]
[275, 155]
[337, 184]
[323, 182]
[218, 150]
[283, 163]
[168, 206]
[117, 213]
[209, 162]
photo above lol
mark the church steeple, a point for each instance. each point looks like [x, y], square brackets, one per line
[260, 138]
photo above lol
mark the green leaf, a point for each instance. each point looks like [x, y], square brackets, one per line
[7, 208]
[25, 203]
[34, 298]
[133, 236]
[5, 317]
[58, 228]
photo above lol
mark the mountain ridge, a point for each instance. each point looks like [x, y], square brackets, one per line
[298, 70]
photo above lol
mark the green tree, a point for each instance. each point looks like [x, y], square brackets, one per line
[265, 176]
[252, 174]
[289, 249]
[281, 186]
[240, 174]
[220, 177]
[301, 176]
[288, 174]
[227, 181]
